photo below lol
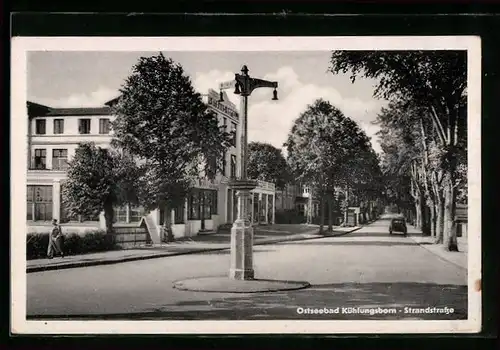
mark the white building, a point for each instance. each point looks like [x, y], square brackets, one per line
[54, 135]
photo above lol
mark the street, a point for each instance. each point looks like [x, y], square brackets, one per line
[366, 269]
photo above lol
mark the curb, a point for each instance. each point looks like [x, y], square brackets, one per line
[193, 251]
[215, 284]
[424, 246]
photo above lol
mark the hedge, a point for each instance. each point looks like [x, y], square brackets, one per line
[289, 216]
[73, 244]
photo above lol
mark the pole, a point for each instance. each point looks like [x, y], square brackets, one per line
[242, 230]
[244, 131]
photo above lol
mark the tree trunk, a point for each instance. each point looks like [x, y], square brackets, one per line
[321, 214]
[168, 235]
[439, 221]
[450, 232]
[310, 211]
[418, 212]
[108, 217]
[330, 214]
[346, 206]
[424, 222]
[432, 212]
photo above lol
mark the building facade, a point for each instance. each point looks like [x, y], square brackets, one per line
[55, 133]
[299, 198]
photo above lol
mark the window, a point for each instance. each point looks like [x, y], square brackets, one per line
[233, 132]
[201, 202]
[207, 204]
[29, 201]
[59, 159]
[84, 126]
[104, 126]
[39, 203]
[233, 166]
[58, 126]
[225, 123]
[194, 205]
[224, 164]
[214, 203]
[301, 209]
[179, 214]
[135, 213]
[40, 126]
[40, 159]
[127, 214]
[120, 214]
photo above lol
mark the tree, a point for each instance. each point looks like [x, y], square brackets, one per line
[405, 146]
[97, 180]
[267, 163]
[161, 120]
[434, 80]
[323, 146]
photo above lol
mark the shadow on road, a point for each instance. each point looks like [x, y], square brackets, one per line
[227, 252]
[354, 243]
[284, 305]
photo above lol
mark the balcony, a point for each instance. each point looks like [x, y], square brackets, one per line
[264, 185]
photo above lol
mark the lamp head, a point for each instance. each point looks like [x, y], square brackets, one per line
[237, 89]
[275, 95]
[244, 70]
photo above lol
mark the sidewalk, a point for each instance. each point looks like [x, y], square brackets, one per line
[457, 258]
[197, 244]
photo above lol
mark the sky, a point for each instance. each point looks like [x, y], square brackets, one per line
[91, 78]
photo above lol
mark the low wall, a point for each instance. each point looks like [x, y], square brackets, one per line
[178, 230]
[128, 237]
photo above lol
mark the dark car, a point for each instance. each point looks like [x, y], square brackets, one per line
[398, 225]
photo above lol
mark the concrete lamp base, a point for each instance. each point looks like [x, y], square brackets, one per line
[241, 251]
[242, 234]
[223, 284]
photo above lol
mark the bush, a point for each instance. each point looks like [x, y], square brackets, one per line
[289, 216]
[73, 244]
[36, 245]
[336, 218]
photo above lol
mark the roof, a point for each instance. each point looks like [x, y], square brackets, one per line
[112, 102]
[36, 109]
[80, 111]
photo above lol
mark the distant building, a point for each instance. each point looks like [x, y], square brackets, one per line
[54, 135]
[461, 219]
[299, 198]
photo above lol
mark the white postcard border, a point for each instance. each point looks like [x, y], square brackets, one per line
[21, 45]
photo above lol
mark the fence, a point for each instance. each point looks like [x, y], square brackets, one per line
[129, 237]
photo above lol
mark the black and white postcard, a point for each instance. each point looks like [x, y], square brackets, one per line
[214, 185]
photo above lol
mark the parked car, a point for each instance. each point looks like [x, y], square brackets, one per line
[398, 225]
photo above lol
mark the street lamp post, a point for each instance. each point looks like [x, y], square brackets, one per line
[242, 230]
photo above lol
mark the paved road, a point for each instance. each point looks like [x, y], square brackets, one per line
[362, 269]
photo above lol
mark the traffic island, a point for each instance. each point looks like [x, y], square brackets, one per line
[224, 284]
